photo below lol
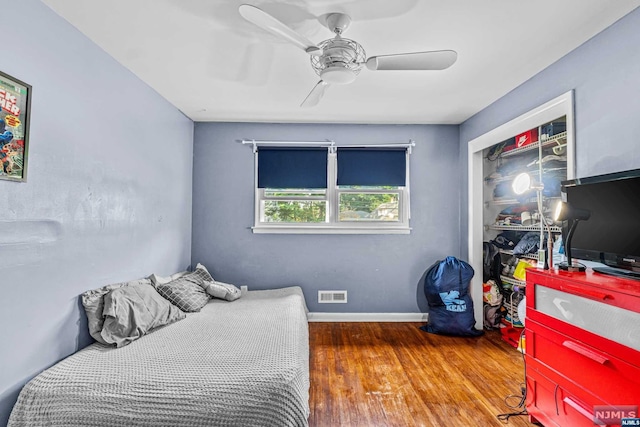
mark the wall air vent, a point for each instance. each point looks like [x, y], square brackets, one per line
[333, 297]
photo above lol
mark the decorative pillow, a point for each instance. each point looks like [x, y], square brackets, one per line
[187, 292]
[222, 290]
[93, 302]
[202, 267]
[131, 312]
[158, 280]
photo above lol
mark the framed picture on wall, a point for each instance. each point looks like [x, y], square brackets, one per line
[15, 105]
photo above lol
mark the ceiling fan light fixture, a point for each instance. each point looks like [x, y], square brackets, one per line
[338, 75]
[339, 60]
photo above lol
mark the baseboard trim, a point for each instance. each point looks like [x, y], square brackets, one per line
[367, 317]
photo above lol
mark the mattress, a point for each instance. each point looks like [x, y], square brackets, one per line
[241, 363]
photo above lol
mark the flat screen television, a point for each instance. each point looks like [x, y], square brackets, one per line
[611, 236]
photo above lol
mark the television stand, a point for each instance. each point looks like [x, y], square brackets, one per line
[618, 272]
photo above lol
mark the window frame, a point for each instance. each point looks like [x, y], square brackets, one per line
[332, 224]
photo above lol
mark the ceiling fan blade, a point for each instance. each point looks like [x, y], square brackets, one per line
[433, 60]
[267, 22]
[315, 95]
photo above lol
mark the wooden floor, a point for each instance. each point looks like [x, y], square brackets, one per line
[394, 374]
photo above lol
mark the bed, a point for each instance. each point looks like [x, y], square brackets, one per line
[241, 363]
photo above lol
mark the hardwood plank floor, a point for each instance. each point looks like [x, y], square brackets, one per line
[394, 374]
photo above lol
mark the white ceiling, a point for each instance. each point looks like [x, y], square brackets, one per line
[214, 66]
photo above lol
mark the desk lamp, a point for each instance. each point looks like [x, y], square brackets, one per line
[565, 212]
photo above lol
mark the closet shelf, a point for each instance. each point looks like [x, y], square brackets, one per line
[554, 229]
[529, 256]
[511, 177]
[512, 281]
[507, 202]
[558, 139]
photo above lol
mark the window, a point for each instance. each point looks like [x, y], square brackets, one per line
[329, 190]
[298, 206]
[369, 204]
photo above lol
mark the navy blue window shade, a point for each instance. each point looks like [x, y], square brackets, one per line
[292, 167]
[372, 166]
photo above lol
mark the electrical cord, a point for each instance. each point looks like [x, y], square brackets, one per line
[522, 398]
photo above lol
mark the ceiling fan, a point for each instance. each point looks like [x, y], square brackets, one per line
[339, 60]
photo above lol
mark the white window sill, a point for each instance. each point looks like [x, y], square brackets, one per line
[301, 229]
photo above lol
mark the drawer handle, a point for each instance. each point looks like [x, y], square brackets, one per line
[578, 407]
[586, 292]
[597, 357]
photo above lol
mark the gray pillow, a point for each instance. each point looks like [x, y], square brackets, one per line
[131, 312]
[93, 302]
[222, 290]
[187, 292]
[160, 280]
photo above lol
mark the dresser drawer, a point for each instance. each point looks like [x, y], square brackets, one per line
[594, 370]
[552, 405]
[599, 317]
[540, 399]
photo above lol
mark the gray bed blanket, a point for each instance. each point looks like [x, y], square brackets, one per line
[242, 363]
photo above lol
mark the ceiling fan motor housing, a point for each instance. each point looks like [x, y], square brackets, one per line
[341, 60]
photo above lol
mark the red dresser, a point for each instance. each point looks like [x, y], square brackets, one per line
[582, 346]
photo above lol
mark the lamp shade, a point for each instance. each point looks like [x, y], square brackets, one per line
[564, 211]
[523, 183]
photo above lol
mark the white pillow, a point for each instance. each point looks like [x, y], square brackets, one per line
[222, 290]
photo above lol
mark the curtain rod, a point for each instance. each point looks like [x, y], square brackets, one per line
[400, 144]
[256, 143]
[331, 144]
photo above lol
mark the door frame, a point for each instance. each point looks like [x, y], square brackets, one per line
[557, 107]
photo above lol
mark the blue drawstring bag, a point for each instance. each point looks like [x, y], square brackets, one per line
[446, 286]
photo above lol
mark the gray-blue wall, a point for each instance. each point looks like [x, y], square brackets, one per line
[108, 196]
[380, 272]
[605, 75]
[109, 192]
